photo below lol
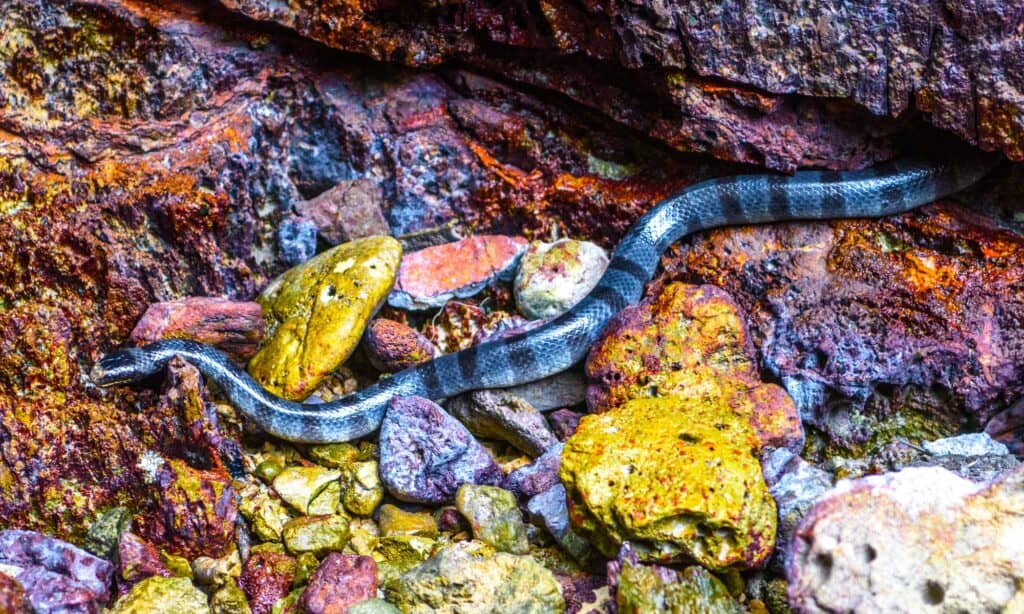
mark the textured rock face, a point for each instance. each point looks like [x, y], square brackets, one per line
[711, 63]
[911, 541]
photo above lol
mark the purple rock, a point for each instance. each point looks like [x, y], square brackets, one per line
[30, 549]
[538, 476]
[138, 559]
[549, 510]
[564, 422]
[52, 593]
[425, 454]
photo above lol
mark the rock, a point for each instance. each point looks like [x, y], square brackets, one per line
[549, 509]
[35, 551]
[497, 414]
[396, 521]
[234, 327]
[431, 277]
[104, 532]
[316, 313]
[229, 599]
[302, 487]
[796, 486]
[48, 591]
[138, 560]
[689, 341]
[340, 455]
[341, 581]
[460, 325]
[971, 444]
[206, 571]
[563, 389]
[392, 346]
[264, 511]
[494, 517]
[553, 277]
[364, 536]
[397, 554]
[640, 588]
[373, 606]
[455, 581]
[296, 240]
[363, 490]
[449, 520]
[316, 534]
[195, 513]
[916, 540]
[12, 596]
[350, 210]
[266, 578]
[426, 454]
[564, 422]
[694, 488]
[537, 477]
[159, 595]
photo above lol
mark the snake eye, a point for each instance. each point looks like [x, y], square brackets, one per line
[119, 367]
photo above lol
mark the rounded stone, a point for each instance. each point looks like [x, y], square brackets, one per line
[392, 346]
[394, 520]
[159, 595]
[300, 487]
[316, 534]
[553, 277]
[494, 516]
[316, 313]
[363, 490]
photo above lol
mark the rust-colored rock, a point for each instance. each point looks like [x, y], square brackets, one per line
[392, 346]
[234, 327]
[353, 209]
[12, 596]
[137, 560]
[266, 577]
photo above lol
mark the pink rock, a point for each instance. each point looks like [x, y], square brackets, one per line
[350, 210]
[29, 549]
[341, 581]
[235, 327]
[266, 578]
[138, 559]
[432, 276]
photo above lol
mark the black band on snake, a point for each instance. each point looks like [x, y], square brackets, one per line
[886, 189]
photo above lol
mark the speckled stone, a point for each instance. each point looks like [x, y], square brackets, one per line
[494, 517]
[28, 549]
[392, 346]
[538, 476]
[229, 599]
[316, 313]
[641, 588]
[266, 578]
[349, 210]
[341, 581]
[498, 414]
[316, 534]
[159, 595]
[433, 276]
[265, 512]
[426, 454]
[234, 327]
[138, 559]
[12, 596]
[553, 277]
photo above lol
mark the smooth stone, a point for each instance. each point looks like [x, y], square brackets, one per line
[159, 595]
[537, 477]
[316, 313]
[349, 210]
[431, 277]
[229, 599]
[549, 509]
[454, 580]
[497, 414]
[266, 578]
[392, 346]
[564, 389]
[971, 444]
[316, 534]
[264, 511]
[207, 571]
[918, 540]
[299, 487]
[341, 580]
[28, 549]
[553, 277]
[393, 520]
[642, 588]
[335, 455]
[234, 327]
[693, 489]
[362, 491]
[426, 454]
[494, 517]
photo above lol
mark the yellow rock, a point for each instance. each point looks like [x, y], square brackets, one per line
[316, 313]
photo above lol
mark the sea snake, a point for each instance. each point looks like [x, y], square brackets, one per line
[886, 189]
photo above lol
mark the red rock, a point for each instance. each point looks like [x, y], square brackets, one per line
[137, 560]
[564, 422]
[392, 346]
[12, 596]
[433, 276]
[341, 580]
[266, 577]
[234, 327]
[350, 210]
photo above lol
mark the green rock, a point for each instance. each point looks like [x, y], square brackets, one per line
[454, 580]
[494, 516]
[373, 606]
[264, 511]
[316, 313]
[301, 486]
[693, 591]
[363, 490]
[269, 469]
[102, 535]
[305, 564]
[316, 534]
[275, 547]
[334, 455]
[394, 520]
[177, 565]
[160, 595]
[677, 477]
[288, 604]
[398, 554]
[229, 599]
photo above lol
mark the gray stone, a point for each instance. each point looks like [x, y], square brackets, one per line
[349, 210]
[971, 444]
[549, 510]
[498, 414]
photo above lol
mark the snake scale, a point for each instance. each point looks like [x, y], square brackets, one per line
[886, 189]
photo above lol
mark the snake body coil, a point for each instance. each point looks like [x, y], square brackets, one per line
[810, 195]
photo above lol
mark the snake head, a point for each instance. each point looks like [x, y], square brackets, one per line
[122, 366]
